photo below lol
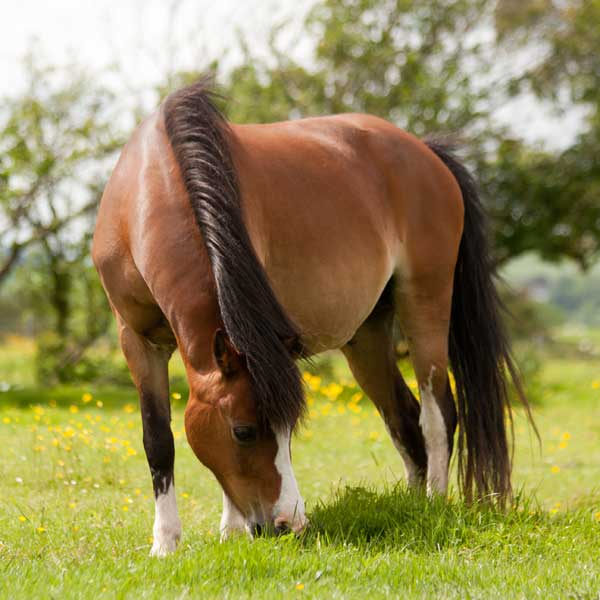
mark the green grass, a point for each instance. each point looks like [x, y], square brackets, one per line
[76, 505]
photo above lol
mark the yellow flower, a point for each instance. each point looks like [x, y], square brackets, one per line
[72, 505]
[73, 409]
[341, 409]
[99, 404]
[129, 408]
[356, 398]
[597, 516]
[41, 529]
[125, 508]
[374, 435]
[131, 451]
[555, 469]
[22, 518]
[137, 491]
[176, 396]
[563, 445]
[314, 383]
[332, 391]
[566, 436]
[596, 384]
[299, 586]
[6, 420]
[185, 495]
[87, 397]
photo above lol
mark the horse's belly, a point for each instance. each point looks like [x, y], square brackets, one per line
[330, 303]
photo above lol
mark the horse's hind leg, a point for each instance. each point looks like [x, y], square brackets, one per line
[148, 364]
[423, 307]
[371, 358]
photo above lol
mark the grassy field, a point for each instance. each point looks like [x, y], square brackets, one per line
[76, 504]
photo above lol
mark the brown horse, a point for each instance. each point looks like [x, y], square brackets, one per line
[249, 246]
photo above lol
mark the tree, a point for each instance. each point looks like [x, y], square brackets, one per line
[56, 142]
[550, 202]
[434, 67]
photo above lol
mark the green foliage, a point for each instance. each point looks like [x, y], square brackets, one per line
[410, 62]
[433, 68]
[56, 141]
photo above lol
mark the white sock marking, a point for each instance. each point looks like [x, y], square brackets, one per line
[410, 469]
[289, 508]
[232, 520]
[436, 440]
[167, 526]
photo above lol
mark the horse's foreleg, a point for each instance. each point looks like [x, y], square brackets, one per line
[424, 311]
[232, 520]
[371, 358]
[149, 368]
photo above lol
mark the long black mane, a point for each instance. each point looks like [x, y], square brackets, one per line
[254, 319]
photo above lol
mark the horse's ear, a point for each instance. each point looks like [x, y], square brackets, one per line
[226, 356]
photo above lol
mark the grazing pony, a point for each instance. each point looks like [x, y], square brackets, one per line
[250, 246]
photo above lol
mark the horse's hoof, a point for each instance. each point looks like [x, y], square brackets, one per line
[164, 544]
[162, 549]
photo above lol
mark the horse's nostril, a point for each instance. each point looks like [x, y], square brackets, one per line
[257, 529]
[281, 528]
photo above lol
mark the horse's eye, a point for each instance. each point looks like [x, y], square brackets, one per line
[245, 434]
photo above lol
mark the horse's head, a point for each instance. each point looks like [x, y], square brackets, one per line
[251, 461]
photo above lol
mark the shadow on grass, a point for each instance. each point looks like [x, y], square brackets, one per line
[406, 519]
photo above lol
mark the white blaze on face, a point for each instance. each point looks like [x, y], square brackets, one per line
[436, 439]
[289, 508]
[167, 526]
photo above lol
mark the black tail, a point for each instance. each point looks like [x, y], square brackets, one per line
[253, 318]
[479, 351]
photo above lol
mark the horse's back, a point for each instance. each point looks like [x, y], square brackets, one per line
[336, 206]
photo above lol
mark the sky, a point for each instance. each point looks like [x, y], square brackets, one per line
[135, 35]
